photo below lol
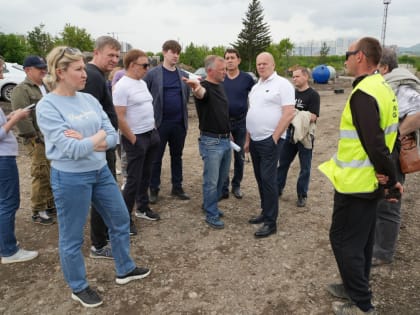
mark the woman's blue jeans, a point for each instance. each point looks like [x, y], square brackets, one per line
[9, 204]
[73, 194]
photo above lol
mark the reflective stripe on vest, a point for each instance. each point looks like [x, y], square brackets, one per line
[350, 169]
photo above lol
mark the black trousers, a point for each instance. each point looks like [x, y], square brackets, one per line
[265, 156]
[352, 235]
[173, 134]
[140, 157]
[98, 228]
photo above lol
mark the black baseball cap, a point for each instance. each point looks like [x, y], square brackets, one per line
[34, 61]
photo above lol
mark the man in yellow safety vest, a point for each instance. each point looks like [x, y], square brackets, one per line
[368, 130]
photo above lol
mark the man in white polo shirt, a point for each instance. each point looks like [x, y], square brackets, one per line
[271, 109]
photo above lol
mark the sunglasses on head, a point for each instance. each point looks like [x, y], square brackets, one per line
[68, 51]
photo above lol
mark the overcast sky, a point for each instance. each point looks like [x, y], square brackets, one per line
[146, 24]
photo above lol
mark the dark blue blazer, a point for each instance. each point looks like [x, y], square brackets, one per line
[154, 81]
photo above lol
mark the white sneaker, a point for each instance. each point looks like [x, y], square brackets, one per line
[20, 256]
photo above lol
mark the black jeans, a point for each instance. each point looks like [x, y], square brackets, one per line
[98, 228]
[288, 153]
[173, 134]
[352, 235]
[140, 157]
[265, 156]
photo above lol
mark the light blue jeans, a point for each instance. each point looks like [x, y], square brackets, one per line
[73, 194]
[216, 155]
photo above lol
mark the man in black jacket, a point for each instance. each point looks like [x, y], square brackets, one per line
[105, 58]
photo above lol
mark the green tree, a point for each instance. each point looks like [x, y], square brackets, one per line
[281, 53]
[13, 47]
[40, 42]
[194, 55]
[254, 38]
[218, 51]
[323, 53]
[74, 36]
[286, 48]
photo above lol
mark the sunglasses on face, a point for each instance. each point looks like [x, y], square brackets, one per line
[352, 52]
[144, 65]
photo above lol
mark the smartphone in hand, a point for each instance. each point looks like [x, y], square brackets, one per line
[30, 107]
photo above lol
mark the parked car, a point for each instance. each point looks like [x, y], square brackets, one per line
[13, 74]
[201, 72]
[254, 77]
[193, 76]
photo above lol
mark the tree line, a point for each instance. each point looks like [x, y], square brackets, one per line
[253, 39]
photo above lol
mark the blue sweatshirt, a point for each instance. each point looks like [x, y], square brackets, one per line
[82, 113]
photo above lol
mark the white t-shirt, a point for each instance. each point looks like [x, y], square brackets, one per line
[134, 95]
[265, 106]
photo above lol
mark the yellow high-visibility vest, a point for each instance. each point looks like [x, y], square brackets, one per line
[350, 170]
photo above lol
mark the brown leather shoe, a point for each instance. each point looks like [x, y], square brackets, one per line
[376, 262]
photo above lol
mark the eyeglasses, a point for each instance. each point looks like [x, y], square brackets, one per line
[352, 52]
[144, 65]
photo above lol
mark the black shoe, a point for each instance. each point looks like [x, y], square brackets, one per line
[153, 197]
[301, 202]
[147, 213]
[133, 229]
[137, 273]
[338, 290]
[265, 230]
[87, 297]
[180, 193]
[256, 220]
[236, 191]
[225, 195]
[38, 219]
[52, 212]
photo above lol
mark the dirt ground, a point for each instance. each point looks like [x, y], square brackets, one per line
[199, 270]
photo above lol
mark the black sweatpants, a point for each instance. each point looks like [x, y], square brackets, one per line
[352, 235]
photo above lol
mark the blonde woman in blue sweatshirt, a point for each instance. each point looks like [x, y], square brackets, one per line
[77, 133]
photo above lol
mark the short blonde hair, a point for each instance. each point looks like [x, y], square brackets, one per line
[60, 58]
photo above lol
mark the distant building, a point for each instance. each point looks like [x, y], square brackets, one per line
[313, 48]
[125, 47]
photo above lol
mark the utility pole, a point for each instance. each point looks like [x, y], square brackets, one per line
[386, 3]
[113, 34]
